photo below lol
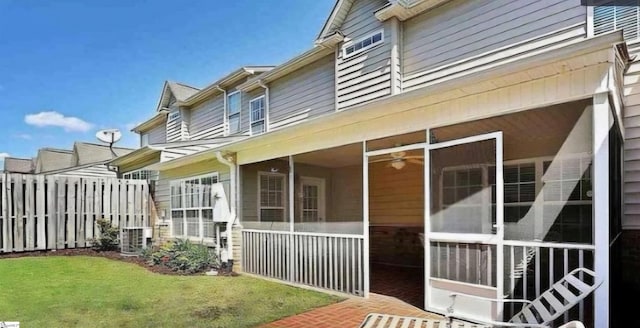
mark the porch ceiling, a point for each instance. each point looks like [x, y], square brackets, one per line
[552, 124]
[348, 155]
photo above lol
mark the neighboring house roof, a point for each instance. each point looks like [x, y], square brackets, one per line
[88, 170]
[178, 90]
[19, 165]
[158, 119]
[165, 156]
[89, 153]
[51, 159]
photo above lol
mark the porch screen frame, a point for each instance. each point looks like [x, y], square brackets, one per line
[496, 239]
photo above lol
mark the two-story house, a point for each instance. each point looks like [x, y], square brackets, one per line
[477, 142]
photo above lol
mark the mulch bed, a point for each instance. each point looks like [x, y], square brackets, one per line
[113, 255]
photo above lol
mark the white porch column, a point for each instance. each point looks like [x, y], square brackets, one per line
[601, 126]
[365, 217]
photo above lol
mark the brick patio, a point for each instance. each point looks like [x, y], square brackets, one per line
[350, 313]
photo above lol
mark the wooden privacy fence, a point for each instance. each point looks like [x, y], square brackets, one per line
[39, 212]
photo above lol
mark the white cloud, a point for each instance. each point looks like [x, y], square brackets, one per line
[4, 155]
[24, 136]
[68, 123]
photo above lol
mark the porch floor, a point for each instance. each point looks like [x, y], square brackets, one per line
[394, 290]
[403, 283]
[351, 313]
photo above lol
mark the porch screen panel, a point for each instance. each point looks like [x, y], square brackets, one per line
[463, 193]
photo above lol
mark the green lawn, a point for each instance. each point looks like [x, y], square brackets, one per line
[97, 292]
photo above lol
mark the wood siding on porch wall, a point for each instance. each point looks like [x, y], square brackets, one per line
[396, 214]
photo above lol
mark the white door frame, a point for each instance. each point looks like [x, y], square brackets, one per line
[494, 239]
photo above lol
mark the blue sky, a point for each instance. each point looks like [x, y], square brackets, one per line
[71, 67]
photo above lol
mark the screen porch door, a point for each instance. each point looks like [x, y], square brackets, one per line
[463, 224]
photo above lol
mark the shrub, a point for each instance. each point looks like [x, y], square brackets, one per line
[181, 255]
[108, 239]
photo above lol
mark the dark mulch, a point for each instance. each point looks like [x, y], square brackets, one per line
[113, 255]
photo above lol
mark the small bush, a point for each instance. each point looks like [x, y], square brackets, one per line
[108, 239]
[182, 256]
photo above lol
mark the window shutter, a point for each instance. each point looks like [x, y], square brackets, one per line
[614, 15]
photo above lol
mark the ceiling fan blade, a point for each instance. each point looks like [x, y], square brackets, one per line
[381, 160]
[415, 161]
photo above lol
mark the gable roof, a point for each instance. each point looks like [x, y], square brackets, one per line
[335, 19]
[179, 91]
[51, 159]
[402, 9]
[88, 153]
[19, 165]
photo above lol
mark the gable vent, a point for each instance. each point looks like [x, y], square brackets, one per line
[614, 15]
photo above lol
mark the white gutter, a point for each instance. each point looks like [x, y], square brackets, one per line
[233, 216]
[267, 100]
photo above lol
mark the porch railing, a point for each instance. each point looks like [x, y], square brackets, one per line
[532, 267]
[328, 261]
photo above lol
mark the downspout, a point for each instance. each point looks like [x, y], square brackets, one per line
[233, 217]
[266, 104]
[224, 108]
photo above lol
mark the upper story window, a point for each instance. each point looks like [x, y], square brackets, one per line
[233, 112]
[257, 115]
[174, 115]
[611, 15]
[363, 44]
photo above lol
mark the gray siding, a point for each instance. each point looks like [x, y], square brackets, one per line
[365, 76]
[632, 144]
[174, 126]
[158, 135]
[431, 40]
[207, 119]
[303, 94]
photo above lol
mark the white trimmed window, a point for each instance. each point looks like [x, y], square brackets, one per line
[192, 207]
[233, 112]
[257, 106]
[271, 197]
[611, 15]
[363, 44]
[140, 175]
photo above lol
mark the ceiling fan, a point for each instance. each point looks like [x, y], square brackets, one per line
[399, 159]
